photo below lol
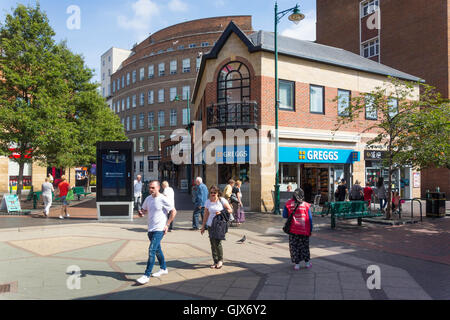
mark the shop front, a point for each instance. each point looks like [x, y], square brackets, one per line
[316, 171]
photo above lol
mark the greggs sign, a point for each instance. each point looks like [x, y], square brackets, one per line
[310, 155]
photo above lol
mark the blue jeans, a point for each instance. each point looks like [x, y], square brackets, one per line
[197, 212]
[155, 238]
[383, 203]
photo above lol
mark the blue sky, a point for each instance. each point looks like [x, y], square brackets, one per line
[121, 23]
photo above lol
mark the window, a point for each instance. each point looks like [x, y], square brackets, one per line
[123, 123]
[109, 72]
[151, 97]
[161, 68]
[134, 76]
[192, 45]
[170, 50]
[161, 95]
[134, 162]
[233, 83]
[128, 123]
[173, 94]
[160, 51]
[371, 49]
[128, 79]
[141, 149]
[142, 99]
[123, 81]
[103, 62]
[141, 120]
[141, 74]
[205, 44]
[150, 166]
[173, 117]
[118, 84]
[151, 143]
[103, 76]
[180, 47]
[369, 7]
[134, 149]
[393, 107]
[109, 59]
[371, 110]
[134, 101]
[186, 65]
[103, 91]
[317, 99]
[133, 122]
[343, 103]
[128, 103]
[199, 61]
[185, 117]
[114, 86]
[141, 165]
[287, 89]
[123, 104]
[186, 92]
[161, 118]
[151, 71]
[173, 67]
[151, 120]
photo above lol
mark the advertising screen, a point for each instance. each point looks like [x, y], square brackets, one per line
[114, 171]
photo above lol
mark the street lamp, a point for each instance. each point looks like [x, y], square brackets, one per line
[295, 17]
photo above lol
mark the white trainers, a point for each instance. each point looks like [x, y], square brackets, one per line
[61, 217]
[67, 215]
[160, 273]
[143, 280]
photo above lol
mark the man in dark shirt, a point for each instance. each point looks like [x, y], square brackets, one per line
[341, 191]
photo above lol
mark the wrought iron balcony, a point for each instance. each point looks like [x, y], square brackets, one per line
[243, 115]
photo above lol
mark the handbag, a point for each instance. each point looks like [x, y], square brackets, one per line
[219, 225]
[234, 198]
[287, 225]
[70, 196]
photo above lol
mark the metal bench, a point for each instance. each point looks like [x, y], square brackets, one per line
[345, 210]
[79, 191]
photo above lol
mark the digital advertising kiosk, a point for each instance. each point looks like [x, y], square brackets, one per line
[115, 180]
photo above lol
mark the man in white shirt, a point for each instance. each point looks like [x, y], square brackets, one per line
[170, 194]
[138, 193]
[157, 206]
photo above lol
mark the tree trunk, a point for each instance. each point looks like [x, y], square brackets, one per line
[20, 179]
[389, 195]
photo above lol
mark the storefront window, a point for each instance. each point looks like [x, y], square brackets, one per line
[289, 175]
[235, 172]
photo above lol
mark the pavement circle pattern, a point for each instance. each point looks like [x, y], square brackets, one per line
[111, 257]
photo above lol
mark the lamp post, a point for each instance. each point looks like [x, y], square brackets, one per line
[188, 98]
[295, 17]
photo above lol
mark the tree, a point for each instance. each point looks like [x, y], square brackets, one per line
[49, 110]
[413, 132]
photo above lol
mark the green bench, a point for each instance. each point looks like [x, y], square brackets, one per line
[79, 191]
[345, 210]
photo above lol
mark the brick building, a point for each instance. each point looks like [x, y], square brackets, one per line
[150, 91]
[409, 35]
[235, 90]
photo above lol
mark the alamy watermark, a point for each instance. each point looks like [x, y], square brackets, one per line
[73, 282]
[74, 20]
[374, 280]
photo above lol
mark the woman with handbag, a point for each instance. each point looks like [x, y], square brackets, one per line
[299, 227]
[218, 208]
[240, 214]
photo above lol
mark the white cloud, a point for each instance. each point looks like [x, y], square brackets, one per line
[143, 12]
[178, 6]
[305, 30]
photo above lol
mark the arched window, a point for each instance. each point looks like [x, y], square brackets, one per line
[233, 83]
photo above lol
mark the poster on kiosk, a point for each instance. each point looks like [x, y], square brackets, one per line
[115, 180]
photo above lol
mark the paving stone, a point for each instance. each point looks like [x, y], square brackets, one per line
[399, 282]
[356, 294]
[328, 295]
[406, 294]
[298, 295]
[275, 289]
[240, 292]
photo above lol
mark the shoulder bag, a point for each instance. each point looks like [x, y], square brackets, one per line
[287, 226]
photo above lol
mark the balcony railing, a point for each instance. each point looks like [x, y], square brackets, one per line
[233, 115]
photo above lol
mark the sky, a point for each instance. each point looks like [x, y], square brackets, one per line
[103, 24]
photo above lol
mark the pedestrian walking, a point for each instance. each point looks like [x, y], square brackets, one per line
[356, 192]
[201, 195]
[64, 188]
[158, 207]
[50, 178]
[170, 194]
[381, 193]
[341, 191]
[214, 207]
[138, 193]
[240, 214]
[228, 190]
[300, 229]
[47, 195]
[368, 192]
[395, 201]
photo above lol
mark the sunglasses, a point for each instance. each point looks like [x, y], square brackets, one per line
[213, 193]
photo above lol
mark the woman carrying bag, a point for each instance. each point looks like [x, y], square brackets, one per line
[299, 226]
[217, 215]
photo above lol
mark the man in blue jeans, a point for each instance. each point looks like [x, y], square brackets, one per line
[201, 195]
[158, 207]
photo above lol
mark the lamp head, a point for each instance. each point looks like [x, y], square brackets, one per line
[296, 16]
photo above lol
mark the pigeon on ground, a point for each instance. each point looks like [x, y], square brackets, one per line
[242, 240]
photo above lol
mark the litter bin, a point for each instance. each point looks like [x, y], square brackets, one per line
[435, 204]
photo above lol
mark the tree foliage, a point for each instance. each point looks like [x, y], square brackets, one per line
[49, 109]
[414, 132]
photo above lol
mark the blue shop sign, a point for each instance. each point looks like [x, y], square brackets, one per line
[233, 154]
[311, 155]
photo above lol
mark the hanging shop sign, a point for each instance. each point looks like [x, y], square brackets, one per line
[235, 154]
[312, 155]
[374, 155]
